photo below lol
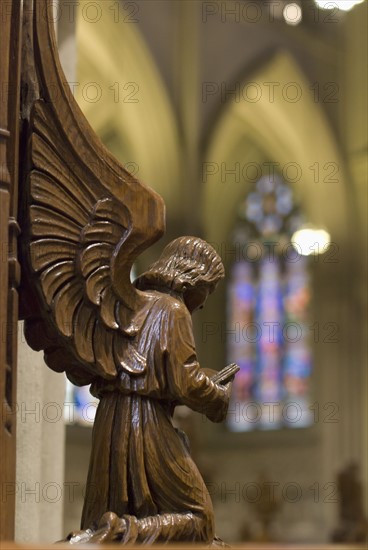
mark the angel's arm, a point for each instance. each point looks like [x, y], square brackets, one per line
[187, 382]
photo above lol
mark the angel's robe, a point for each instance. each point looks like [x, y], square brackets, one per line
[140, 465]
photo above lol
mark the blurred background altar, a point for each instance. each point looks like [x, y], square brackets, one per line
[250, 119]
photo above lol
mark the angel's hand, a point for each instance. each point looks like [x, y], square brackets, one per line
[209, 372]
[216, 411]
[229, 386]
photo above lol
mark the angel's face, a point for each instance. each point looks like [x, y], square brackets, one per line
[195, 298]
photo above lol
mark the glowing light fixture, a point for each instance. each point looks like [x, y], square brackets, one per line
[292, 14]
[345, 5]
[309, 241]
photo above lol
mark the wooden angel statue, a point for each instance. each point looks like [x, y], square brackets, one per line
[141, 468]
[85, 220]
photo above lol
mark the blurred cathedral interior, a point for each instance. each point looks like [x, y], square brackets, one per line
[250, 119]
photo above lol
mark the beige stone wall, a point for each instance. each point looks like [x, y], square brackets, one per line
[40, 449]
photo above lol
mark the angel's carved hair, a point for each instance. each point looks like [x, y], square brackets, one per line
[185, 263]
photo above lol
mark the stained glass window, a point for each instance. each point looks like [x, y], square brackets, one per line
[268, 304]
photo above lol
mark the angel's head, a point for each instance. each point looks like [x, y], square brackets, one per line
[188, 266]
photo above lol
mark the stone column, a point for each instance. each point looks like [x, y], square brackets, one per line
[344, 369]
[187, 78]
[354, 130]
[40, 448]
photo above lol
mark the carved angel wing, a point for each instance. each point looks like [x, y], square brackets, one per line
[87, 221]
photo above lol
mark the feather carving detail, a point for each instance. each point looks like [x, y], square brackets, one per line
[88, 219]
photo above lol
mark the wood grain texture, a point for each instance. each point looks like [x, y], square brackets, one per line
[10, 46]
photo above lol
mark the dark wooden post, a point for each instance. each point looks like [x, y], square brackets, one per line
[10, 40]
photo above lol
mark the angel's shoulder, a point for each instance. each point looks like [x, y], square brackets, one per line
[172, 305]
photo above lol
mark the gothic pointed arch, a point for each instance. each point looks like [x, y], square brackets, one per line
[275, 122]
[122, 94]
